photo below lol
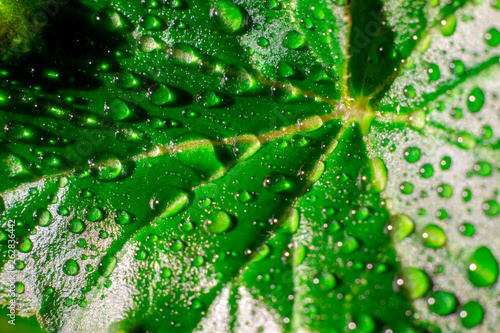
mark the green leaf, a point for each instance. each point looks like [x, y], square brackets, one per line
[249, 166]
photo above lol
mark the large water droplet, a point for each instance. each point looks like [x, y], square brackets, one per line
[168, 201]
[230, 18]
[475, 100]
[106, 166]
[71, 267]
[414, 281]
[278, 183]
[433, 236]
[471, 314]
[42, 217]
[401, 226]
[483, 268]
[374, 175]
[443, 303]
[107, 265]
[218, 222]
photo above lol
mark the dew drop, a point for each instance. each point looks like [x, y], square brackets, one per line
[230, 18]
[374, 175]
[76, 226]
[475, 100]
[442, 303]
[278, 183]
[414, 281]
[426, 171]
[471, 314]
[412, 154]
[122, 217]
[106, 166]
[25, 245]
[491, 208]
[107, 265]
[492, 37]
[402, 226]
[168, 201]
[71, 267]
[294, 40]
[433, 236]
[483, 268]
[218, 222]
[152, 22]
[42, 217]
[448, 25]
[117, 109]
[94, 214]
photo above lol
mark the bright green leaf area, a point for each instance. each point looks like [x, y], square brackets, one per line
[250, 166]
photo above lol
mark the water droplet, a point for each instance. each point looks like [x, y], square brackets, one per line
[243, 196]
[183, 55]
[152, 22]
[406, 188]
[475, 100]
[483, 268]
[209, 99]
[401, 226]
[71, 267]
[141, 255]
[467, 229]
[278, 183]
[263, 42]
[465, 141]
[177, 245]
[445, 191]
[471, 314]
[166, 273]
[294, 40]
[434, 72]
[19, 287]
[162, 96]
[374, 175]
[416, 120]
[111, 19]
[94, 214]
[25, 245]
[11, 165]
[433, 236]
[326, 281]
[168, 201]
[218, 222]
[107, 265]
[117, 109]
[147, 44]
[76, 226]
[443, 303]
[125, 80]
[414, 281]
[238, 81]
[42, 217]
[412, 154]
[106, 167]
[409, 92]
[198, 261]
[122, 217]
[458, 68]
[491, 208]
[492, 37]
[230, 17]
[285, 70]
[426, 171]
[448, 25]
